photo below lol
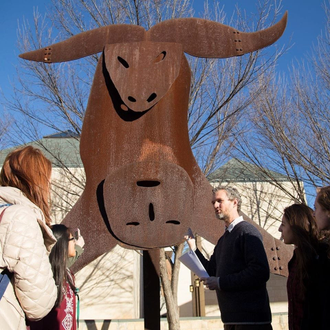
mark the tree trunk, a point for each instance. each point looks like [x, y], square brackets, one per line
[170, 299]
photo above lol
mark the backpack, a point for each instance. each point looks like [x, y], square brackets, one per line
[5, 275]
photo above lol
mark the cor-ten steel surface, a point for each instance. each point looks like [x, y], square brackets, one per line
[144, 188]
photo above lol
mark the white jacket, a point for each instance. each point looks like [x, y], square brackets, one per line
[25, 244]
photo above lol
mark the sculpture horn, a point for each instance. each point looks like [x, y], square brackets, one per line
[86, 43]
[208, 39]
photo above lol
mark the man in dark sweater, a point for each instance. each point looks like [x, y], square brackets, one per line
[238, 268]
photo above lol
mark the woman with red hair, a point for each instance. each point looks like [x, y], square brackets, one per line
[26, 238]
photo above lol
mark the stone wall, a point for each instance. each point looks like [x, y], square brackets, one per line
[280, 322]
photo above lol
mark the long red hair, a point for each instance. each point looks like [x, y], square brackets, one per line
[29, 170]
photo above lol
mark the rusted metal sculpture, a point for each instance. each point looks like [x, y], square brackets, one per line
[143, 185]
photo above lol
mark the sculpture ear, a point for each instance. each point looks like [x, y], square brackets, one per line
[86, 43]
[208, 39]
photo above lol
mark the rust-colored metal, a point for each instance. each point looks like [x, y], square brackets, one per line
[278, 253]
[143, 185]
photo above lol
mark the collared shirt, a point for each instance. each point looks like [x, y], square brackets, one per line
[234, 223]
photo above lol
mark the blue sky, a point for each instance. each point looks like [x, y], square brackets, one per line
[305, 22]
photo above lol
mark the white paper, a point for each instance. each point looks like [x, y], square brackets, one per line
[191, 261]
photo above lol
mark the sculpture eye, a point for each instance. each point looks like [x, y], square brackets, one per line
[123, 62]
[160, 57]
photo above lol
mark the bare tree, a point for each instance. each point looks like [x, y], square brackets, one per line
[5, 126]
[54, 97]
[170, 285]
[321, 59]
[290, 124]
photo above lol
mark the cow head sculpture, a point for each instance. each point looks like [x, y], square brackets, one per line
[143, 185]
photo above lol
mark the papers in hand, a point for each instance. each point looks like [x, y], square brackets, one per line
[191, 261]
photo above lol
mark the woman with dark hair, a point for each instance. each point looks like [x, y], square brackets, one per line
[322, 209]
[306, 268]
[25, 238]
[63, 315]
[322, 217]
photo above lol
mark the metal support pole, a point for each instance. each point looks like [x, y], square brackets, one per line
[151, 289]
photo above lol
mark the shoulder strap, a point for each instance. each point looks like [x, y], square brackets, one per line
[5, 275]
[5, 206]
[2, 214]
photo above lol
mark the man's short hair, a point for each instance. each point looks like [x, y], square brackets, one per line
[232, 193]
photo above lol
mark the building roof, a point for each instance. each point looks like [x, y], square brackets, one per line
[236, 170]
[62, 149]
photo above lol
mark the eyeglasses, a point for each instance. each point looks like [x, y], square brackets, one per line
[71, 239]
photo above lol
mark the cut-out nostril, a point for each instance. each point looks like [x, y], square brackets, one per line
[151, 212]
[123, 62]
[148, 183]
[131, 98]
[152, 97]
[160, 57]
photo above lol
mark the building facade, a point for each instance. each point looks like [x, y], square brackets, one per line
[111, 286]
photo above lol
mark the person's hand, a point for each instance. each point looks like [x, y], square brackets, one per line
[191, 242]
[211, 283]
[189, 237]
[80, 241]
